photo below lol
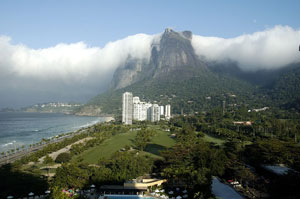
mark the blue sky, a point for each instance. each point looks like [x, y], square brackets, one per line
[41, 24]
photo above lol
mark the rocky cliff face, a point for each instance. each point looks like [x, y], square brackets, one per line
[128, 74]
[172, 57]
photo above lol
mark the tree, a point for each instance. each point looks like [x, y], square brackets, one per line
[142, 138]
[48, 160]
[63, 157]
[71, 176]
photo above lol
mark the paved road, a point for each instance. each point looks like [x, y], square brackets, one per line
[18, 155]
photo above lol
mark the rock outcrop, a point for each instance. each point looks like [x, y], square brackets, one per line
[172, 57]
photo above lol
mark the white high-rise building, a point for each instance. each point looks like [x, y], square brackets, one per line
[162, 110]
[136, 108]
[136, 100]
[127, 108]
[155, 113]
[144, 109]
[140, 109]
[168, 112]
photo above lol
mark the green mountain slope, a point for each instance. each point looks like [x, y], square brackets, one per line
[286, 89]
[175, 75]
[192, 95]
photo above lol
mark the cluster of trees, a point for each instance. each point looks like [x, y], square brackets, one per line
[143, 137]
[120, 167]
[192, 162]
[271, 123]
[270, 140]
[274, 151]
[98, 132]
[50, 148]
[18, 183]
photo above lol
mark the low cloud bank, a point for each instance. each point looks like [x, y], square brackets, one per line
[75, 61]
[75, 70]
[269, 49]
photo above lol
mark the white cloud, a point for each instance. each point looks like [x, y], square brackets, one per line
[75, 69]
[269, 49]
[75, 60]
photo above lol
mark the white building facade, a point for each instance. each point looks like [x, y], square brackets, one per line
[134, 109]
[168, 112]
[155, 113]
[162, 110]
[127, 108]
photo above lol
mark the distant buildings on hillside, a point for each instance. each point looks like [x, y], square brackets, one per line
[134, 109]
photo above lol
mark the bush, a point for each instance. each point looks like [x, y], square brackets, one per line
[48, 160]
[63, 157]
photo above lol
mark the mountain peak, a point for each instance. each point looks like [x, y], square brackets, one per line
[168, 30]
[170, 33]
[172, 57]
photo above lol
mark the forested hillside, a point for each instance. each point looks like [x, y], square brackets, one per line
[175, 75]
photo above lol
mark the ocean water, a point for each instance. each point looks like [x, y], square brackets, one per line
[17, 129]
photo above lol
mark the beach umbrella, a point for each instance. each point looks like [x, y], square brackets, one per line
[30, 194]
[171, 192]
[177, 189]
[162, 190]
[185, 196]
[185, 191]
[10, 197]
[92, 186]
[47, 192]
[156, 191]
[178, 197]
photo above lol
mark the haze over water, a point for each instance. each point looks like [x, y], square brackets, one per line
[17, 129]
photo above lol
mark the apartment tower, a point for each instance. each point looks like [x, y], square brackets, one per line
[127, 108]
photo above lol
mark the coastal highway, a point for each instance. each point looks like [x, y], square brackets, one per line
[18, 155]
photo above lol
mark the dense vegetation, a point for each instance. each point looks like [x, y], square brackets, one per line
[204, 90]
[190, 95]
[271, 137]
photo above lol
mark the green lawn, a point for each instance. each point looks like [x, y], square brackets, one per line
[107, 148]
[212, 139]
[91, 156]
[160, 142]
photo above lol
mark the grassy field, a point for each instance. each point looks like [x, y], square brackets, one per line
[212, 139]
[107, 148]
[161, 141]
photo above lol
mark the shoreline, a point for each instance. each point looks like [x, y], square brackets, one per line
[81, 114]
[27, 150]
